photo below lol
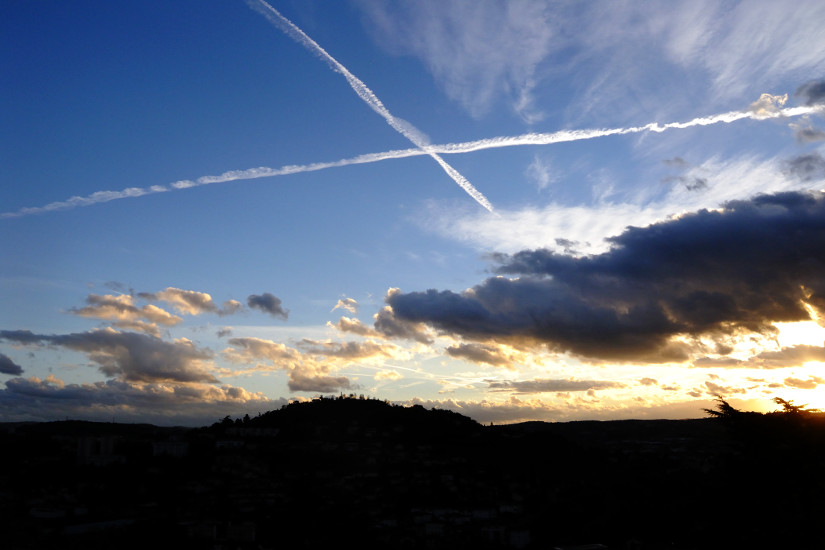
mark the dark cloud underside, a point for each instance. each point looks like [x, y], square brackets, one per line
[7, 366]
[128, 356]
[744, 267]
[268, 303]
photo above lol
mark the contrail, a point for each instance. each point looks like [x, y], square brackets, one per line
[449, 148]
[401, 126]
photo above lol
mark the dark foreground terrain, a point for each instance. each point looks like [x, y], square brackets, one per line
[360, 472]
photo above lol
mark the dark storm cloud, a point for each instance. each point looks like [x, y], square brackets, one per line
[129, 356]
[553, 386]
[319, 384]
[267, 303]
[807, 167]
[744, 267]
[812, 93]
[389, 326]
[7, 366]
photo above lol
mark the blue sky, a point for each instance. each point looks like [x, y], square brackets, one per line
[174, 252]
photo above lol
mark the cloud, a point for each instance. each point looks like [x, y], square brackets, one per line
[648, 382]
[589, 225]
[348, 351]
[122, 309]
[541, 173]
[811, 383]
[388, 375]
[347, 304]
[808, 167]
[320, 384]
[7, 366]
[250, 349]
[812, 92]
[743, 267]
[768, 106]
[792, 356]
[721, 391]
[477, 52]
[390, 326]
[268, 303]
[482, 353]
[129, 356]
[190, 302]
[355, 326]
[553, 386]
[36, 399]
[806, 133]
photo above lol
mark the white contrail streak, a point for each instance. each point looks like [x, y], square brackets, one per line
[401, 126]
[449, 148]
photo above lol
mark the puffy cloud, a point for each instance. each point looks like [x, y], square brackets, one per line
[390, 326]
[129, 356]
[768, 105]
[250, 349]
[648, 382]
[743, 267]
[267, 303]
[7, 366]
[388, 375]
[347, 304]
[355, 326]
[229, 307]
[122, 309]
[189, 302]
[552, 385]
[812, 93]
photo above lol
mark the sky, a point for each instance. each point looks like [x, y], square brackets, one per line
[525, 210]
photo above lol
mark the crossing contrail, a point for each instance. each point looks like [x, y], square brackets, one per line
[401, 126]
[561, 136]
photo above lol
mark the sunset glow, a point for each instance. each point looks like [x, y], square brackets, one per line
[512, 210]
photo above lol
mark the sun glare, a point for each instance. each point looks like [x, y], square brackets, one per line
[800, 333]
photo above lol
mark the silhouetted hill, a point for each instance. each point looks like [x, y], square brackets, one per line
[314, 474]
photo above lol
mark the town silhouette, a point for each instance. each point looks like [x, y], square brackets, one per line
[359, 472]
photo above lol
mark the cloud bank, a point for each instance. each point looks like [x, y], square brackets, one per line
[713, 273]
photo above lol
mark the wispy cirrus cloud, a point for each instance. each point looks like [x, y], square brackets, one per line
[477, 52]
